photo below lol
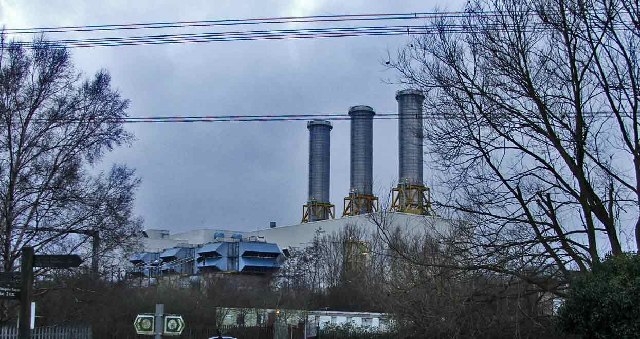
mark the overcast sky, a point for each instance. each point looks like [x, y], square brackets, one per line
[235, 175]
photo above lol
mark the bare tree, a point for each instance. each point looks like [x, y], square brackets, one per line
[342, 270]
[533, 125]
[53, 129]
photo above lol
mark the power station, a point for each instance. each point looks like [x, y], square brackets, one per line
[409, 196]
[262, 251]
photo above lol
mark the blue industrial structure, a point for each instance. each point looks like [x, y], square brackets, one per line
[223, 254]
[177, 260]
[145, 264]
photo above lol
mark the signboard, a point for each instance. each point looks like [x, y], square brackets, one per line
[10, 278]
[173, 325]
[144, 324]
[57, 261]
[10, 285]
[9, 292]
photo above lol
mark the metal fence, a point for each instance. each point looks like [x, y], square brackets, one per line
[49, 332]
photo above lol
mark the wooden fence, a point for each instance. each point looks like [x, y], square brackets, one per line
[49, 332]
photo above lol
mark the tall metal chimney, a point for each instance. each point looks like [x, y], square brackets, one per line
[410, 196]
[318, 206]
[361, 199]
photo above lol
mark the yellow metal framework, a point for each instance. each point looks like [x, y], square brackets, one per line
[356, 204]
[321, 211]
[414, 199]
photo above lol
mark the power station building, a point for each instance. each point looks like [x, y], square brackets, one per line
[263, 251]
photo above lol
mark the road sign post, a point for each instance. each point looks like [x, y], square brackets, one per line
[144, 324]
[159, 314]
[24, 330]
[158, 323]
[57, 261]
[10, 285]
[29, 261]
[173, 325]
[9, 292]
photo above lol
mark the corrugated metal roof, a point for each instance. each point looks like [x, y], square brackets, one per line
[209, 248]
[171, 252]
[137, 257]
[143, 257]
[259, 247]
[218, 262]
[260, 262]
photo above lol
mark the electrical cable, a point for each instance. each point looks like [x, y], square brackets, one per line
[249, 21]
[331, 32]
[265, 118]
[271, 34]
[307, 33]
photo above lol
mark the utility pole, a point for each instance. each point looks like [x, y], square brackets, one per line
[24, 327]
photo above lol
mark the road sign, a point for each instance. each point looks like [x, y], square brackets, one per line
[57, 261]
[9, 292]
[173, 325]
[144, 324]
[10, 278]
[10, 285]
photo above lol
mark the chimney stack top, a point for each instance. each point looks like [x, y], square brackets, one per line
[409, 92]
[361, 108]
[319, 123]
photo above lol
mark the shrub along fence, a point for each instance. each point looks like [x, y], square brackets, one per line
[190, 332]
[353, 334]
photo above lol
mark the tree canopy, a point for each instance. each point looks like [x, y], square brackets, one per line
[54, 129]
[533, 132]
[604, 303]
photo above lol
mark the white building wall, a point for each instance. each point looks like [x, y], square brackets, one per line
[299, 235]
[302, 235]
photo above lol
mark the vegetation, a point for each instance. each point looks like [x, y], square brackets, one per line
[54, 129]
[532, 127]
[604, 303]
[349, 331]
[533, 131]
[348, 271]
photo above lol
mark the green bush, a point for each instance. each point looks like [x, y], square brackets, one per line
[351, 331]
[606, 302]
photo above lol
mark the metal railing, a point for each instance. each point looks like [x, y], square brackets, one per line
[49, 332]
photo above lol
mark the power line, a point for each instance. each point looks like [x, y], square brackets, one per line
[307, 33]
[271, 34]
[249, 21]
[237, 35]
[267, 118]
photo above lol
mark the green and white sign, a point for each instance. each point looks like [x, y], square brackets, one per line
[173, 325]
[144, 324]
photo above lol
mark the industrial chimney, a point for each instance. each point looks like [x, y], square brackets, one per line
[410, 196]
[318, 206]
[361, 199]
